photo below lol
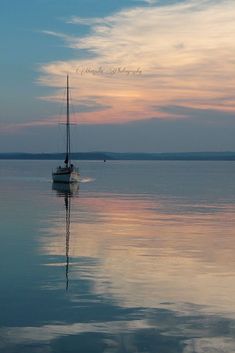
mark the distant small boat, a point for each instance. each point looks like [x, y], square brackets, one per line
[66, 173]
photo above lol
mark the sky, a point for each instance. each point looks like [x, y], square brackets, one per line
[145, 75]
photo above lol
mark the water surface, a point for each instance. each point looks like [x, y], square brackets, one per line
[139, 258]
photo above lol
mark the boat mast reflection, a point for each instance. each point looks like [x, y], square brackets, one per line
[67, 191]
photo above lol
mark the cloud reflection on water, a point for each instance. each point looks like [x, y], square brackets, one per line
[149, 252]
[148, 272]
[161, 331]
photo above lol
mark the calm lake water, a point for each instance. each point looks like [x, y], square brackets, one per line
[140, 258]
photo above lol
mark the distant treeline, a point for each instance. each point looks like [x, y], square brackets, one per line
[189, 156]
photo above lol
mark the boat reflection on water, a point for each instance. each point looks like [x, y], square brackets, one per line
[67, 191]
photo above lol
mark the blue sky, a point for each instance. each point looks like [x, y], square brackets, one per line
[179, 94]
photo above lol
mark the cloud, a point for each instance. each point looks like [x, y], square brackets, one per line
[85, 21]
[185, 52]
[200, 115]
[56, 34]
[150, 2]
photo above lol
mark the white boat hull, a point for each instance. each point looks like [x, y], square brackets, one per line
[72, 177]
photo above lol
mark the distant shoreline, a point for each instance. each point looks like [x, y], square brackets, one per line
[112, 156]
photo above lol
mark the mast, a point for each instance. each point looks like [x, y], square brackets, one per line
[67, 158]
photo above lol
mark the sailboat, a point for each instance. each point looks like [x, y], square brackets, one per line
[66, 173]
